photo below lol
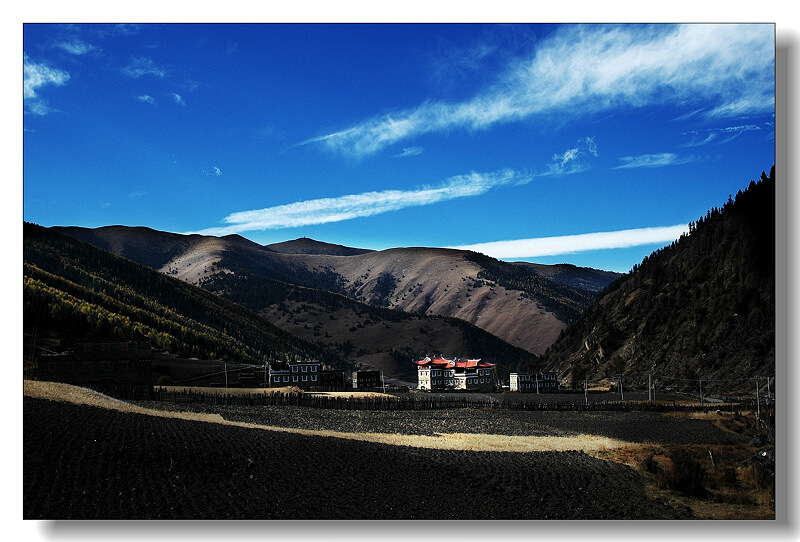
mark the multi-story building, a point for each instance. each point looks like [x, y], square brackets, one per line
[367, 379]
[118, 362]
[533, 382]
[435, 374]
[333, 380]
[303, 374]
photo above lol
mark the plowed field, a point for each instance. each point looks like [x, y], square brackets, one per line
[86, 462]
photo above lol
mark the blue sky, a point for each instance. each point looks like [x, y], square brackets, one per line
[587, 144]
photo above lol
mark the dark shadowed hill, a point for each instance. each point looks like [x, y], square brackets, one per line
[78, 291]
[586, 278]
[700, 309]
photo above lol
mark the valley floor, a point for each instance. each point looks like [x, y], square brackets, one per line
[85, 462]
[89, 457]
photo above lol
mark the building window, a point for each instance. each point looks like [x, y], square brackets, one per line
[305, 378]
[305, 369]
[286, 379]
[313, 378]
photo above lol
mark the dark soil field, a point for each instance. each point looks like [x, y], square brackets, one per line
[634, 427]
[85, 462]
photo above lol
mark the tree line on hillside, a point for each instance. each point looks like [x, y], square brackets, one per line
[566, 302]
[79, 291]
[700, 308]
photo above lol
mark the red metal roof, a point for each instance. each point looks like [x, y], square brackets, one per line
[449, 364]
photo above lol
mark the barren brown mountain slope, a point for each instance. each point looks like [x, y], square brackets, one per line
[441, 282]
[427, 281]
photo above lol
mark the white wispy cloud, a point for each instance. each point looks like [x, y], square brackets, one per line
[35, 76]
[178, 99]
[326, 210]
[572, 160]
[143, 66]
[410, 151]
[716, 70]
[719, 135]
[568, 244]
[215, 171]
[653, 160]
[75, 46]
[146, 98]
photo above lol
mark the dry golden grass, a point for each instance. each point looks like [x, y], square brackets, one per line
[734, 493]
[447, 441]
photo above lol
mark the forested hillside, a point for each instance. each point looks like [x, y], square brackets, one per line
[702, 308]
[79, 292]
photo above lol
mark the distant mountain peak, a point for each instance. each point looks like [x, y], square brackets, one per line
[306, 245]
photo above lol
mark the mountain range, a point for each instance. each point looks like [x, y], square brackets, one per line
[255, 302]
[700, 309]
[526, 306]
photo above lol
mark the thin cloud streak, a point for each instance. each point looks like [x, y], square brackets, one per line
[410, 151]
[653, 160]
[143, 66]
[348, 207]
[593, 68]
[569, 244]
[75, 47]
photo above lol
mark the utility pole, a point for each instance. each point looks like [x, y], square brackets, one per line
[226, 376]
[649, 388]
[621, 393]
[33, 347]
[383, 382]
[585, 391]
[758, 403]
[536, 377]
[701, 391]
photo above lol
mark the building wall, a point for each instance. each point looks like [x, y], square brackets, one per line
[304, 375]
[434, 379]
[524, 382]
[367, 379]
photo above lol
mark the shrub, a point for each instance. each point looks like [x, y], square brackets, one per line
[682, 473]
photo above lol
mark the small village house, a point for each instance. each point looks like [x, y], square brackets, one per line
[364, 380]
[538, 382]
[303, 374]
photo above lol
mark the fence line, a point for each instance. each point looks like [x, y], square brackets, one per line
[426, 402]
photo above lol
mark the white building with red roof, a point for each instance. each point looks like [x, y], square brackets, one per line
[438, 373]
